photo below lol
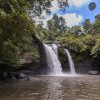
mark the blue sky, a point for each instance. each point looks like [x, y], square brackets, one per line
[76, 13]
[86, 13]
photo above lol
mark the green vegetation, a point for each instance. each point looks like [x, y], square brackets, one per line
[19, 34]
[57, 24]
[85, 45]
[16, 31]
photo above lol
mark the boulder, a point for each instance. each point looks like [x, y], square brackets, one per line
[21, 76]
[93, 72]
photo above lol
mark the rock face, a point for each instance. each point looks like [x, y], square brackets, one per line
[82, 67]
[26, 58]
[96, 64]
[37, 67]
[34, 69]
[41, 49]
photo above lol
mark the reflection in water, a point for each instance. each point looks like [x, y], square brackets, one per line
[52, 88]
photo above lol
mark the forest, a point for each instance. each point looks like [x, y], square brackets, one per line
[20, 35]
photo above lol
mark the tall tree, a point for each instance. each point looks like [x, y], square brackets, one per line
[97, 17]
[96, 26]
[76, 30]
[92, 6]
[86, 25]
[16, 30]
[57, 24]
[44, 5]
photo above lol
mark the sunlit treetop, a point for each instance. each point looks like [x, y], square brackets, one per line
[40, 5]
[92, 6]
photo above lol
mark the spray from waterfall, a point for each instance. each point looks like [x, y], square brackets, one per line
[71, 63]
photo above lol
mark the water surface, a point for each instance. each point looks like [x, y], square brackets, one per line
[52, 88]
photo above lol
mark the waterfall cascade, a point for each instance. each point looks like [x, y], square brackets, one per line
[55, 48]
[54, 65]
[71, 63]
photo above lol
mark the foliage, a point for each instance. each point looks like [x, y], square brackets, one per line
[44, 5]
[81, 45]
[9, 54]
[19, 34]
[57, 24]
[96, 27]
[75, 30]
[16, 31]
[72, 42]
[96, 48]
[92, 6]
[86, 25]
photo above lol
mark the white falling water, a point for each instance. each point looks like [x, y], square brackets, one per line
[53, 62]
[71, 63]
[55, 48]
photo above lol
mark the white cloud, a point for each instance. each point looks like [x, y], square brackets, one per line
[78, 3]
[45, 21]
[54, 5]
[72, 19]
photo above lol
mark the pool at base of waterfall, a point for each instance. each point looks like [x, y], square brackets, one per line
[82, 87]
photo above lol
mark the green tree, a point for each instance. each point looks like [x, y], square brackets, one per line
[86, 25]
[16, 31]
[92, 6]
[97, 17]
[57, 24]
[96, 26]
[40, 5]
[76, 30]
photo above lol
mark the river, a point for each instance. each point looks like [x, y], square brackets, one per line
[52, 88]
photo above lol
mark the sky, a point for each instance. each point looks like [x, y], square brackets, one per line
[76, 14]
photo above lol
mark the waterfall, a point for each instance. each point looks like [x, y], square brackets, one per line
[54, 65]
[55, 48]
[71, 63]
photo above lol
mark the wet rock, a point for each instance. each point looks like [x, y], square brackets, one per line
[93, 72]
[13, 76]
[5, 75]
[21, 76]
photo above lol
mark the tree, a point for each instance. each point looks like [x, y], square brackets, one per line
[50, 24]
[62, 25]
[92, 6]
[86, 25]
[44, 5]
[16, 31]
[96, 26]
[76, 30]
[97, 17]
[57, 24]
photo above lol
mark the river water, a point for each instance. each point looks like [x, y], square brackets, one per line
[52, 88]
